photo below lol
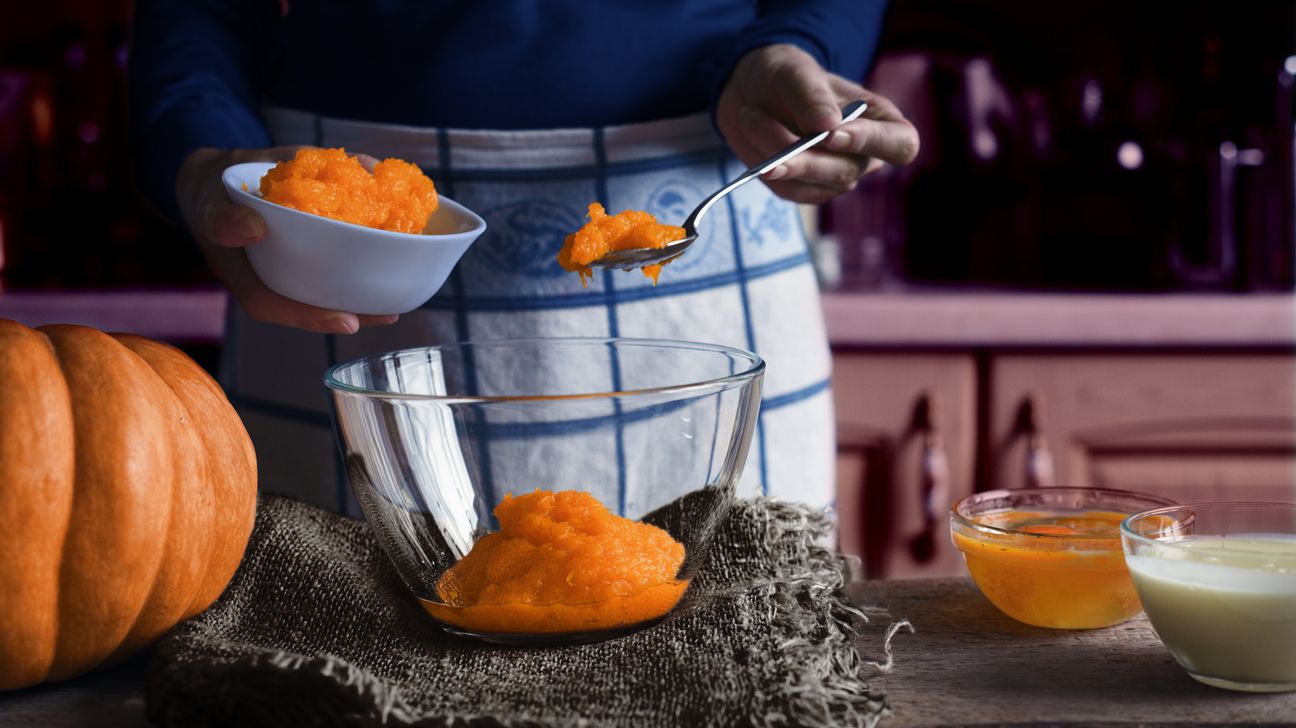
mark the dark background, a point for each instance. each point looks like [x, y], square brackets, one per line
[1094, 146]
[1031, 114]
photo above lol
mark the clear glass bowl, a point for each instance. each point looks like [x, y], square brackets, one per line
[435, 438]
[1059, 581]
[1218, 583]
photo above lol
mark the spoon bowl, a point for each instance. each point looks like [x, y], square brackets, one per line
[639, 257]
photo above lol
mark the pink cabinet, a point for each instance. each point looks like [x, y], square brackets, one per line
[918, 430]
[904, 453]
[1190, 427]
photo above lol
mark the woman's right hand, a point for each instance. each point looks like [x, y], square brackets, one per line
[222, 229]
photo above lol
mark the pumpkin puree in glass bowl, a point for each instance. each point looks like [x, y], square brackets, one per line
[604, 233]
[561, 563]
[329, 183]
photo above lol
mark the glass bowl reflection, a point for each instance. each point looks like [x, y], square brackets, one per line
[435, 437]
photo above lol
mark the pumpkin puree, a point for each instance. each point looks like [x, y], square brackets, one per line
[1062, 583]
[623, 231]
[327, 182]
[561, 562]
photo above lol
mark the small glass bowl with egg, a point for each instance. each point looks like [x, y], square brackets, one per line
[1051, 557]
[1218, 582]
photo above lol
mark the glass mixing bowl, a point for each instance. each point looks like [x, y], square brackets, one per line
[436, 438]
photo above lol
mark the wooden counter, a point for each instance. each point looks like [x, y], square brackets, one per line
[1003, 319]
[965, 664]
[968, 664]
[185, 316]
[888, 319]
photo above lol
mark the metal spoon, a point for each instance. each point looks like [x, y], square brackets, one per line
[638, 257]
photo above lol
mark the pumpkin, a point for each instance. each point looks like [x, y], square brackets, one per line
[127, 495]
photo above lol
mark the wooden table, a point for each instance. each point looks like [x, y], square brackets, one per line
[968, 664]
[112, 698]
[965, 664]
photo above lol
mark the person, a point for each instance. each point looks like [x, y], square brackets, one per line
[524, 112]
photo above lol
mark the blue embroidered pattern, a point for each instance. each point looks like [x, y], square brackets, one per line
[523, 237]
[671, 202]
[775, 217]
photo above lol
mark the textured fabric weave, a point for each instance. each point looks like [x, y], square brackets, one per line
[316, 629]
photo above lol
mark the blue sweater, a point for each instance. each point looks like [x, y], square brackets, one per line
[200, 69]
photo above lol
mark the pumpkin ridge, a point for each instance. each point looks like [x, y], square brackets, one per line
[187, 545]
[62, 551]
[35, 403]
[122, 450]
[230, 457]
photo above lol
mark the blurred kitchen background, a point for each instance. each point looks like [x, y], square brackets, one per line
[1086, 278]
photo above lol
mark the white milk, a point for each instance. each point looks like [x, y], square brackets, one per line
[1224, 606]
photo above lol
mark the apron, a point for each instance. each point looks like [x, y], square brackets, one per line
[747, 282]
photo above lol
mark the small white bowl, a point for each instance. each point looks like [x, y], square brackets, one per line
[346, 267]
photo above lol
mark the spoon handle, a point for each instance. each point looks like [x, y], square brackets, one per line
[850, 112]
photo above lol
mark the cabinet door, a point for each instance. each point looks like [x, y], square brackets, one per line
[1189, 427]
[905, 428]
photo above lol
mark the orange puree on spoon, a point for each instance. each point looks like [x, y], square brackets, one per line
[561, 562]
[327, 182]
[604, 233]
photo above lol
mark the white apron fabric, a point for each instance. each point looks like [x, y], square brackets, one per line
[747, 282]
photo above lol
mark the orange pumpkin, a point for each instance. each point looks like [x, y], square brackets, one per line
[127, 494]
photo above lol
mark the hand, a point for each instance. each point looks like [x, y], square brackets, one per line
[779, 93]
[222, 229]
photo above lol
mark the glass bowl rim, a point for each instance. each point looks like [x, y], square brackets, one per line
[1128, 533]
[755, 368]
[982, 528]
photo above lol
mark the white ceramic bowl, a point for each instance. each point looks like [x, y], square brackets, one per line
[346, 267]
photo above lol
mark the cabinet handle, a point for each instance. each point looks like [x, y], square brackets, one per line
[933, 478]
[1030, 425]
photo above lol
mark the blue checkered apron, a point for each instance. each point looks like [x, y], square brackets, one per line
[747, 282]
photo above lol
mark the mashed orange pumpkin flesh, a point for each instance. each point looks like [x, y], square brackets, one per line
[623, 231]
[328, 182]
[561, 562]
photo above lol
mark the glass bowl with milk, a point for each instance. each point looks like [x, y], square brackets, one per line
[1218, 583]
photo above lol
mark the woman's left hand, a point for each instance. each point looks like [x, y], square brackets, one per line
[779, 93]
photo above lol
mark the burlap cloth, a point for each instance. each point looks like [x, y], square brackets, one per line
[317, 629]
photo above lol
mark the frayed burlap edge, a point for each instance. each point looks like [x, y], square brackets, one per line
[823, 684]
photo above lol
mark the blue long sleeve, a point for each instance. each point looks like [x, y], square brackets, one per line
[201, 69]
[842, 35]
[192, 84]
